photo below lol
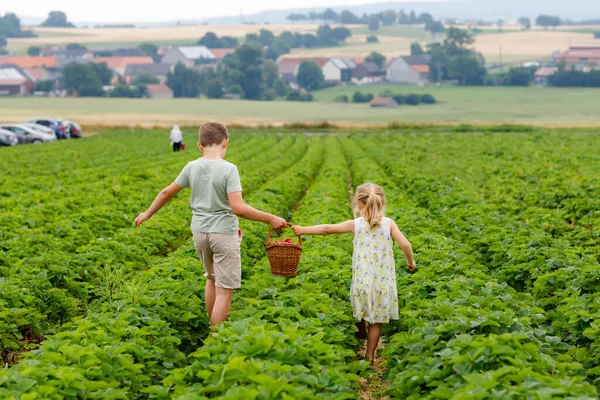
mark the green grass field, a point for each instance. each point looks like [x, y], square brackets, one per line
[533, 105]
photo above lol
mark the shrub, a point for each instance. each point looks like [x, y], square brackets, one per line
[295, 95]
[342, 99]
[358, 97]
[597, 34]
[269, 95]
[214, 90]
[372, 39]
[387, 93]
[400, 98]
[413, 99]
[428, 99]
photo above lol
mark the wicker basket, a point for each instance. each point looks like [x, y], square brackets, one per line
[283, 257]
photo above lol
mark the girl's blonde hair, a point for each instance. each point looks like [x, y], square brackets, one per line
[372, 198]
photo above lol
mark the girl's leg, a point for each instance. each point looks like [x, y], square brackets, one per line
[362, 330]
[373, 340]
[209, 295]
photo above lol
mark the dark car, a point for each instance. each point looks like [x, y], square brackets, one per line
[75, 129]
[7, 138]
[61, 129]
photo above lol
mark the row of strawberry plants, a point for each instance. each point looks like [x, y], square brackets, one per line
[462, 332]
[150, 321]
[46, 290]
[290, 337]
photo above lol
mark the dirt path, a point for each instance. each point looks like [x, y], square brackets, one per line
[372, 384]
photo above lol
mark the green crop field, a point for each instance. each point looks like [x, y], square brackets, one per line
[504, 303]
[532, 105]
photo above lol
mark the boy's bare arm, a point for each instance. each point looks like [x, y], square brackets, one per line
[163, 198]
[344, 227]
[404, 245]
[243, 210]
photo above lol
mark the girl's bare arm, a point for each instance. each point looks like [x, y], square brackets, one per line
[344, 227]
[404, 245]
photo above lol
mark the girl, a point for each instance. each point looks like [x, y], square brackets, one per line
[373, 293]
[176, 138]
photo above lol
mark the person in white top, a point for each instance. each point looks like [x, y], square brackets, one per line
[176, 138]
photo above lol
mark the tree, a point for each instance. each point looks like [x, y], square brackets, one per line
[229, 42]
[281, 89]
[412, 19]
[10, 27]
[376, 58]
[313, 16]
[388, 17]
[214, 89]
[82, 79]
[296, 17]
[525, 23]
[184, 82]
[310, 40]
[517, 77]
[457, 40]
[468, 69]
[403, 19]
[245, 68]
[341, 33]
[329, 15]
[148, 49]
[416, 49]
[547, 20]
[372, 39]
[44, 86]
[425, 18]
[144, 78]
[348, 17]
[435, 27]
[210, 40]
[32, 51]
[57, 19]
[75, 46]
[3, 41]
[102, 72]
[500, 24]
[266, 37]
[373, 23]
[310, 76]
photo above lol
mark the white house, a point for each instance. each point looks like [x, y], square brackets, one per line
[338, 69]
[410, 70]
[189, 56]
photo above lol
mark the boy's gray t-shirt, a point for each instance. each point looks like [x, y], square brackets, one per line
[211, 181]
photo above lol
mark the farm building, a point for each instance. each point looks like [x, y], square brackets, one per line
[338, 69]
[119, 64]
[29, 61]
[581, 55]
[543, 74]
[411, 70]
[159, 71]
[189, 56]
[367, 72]
[159, 91]
[220, 54]
[13, 81]
[383, 102]
[288, 71]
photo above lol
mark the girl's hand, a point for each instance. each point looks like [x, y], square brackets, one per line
[412, 267]
[143, 217]
[298, 230]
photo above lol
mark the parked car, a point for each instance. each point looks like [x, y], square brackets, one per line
[74, 129]
[27, 135]
[7, 138]
[39, 128]
[61, 130]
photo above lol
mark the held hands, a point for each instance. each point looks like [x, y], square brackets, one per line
[143, 217]
[298, 230]
[277, 223]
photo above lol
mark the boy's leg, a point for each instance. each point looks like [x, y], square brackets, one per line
[209, 296]
[222, 306]
[373, 340]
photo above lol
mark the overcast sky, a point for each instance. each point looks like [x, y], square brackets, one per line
[145, 11]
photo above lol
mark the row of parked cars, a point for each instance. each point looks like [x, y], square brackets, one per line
[38, 130]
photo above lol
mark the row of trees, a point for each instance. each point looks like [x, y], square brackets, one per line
[573, 78]
[387, 17]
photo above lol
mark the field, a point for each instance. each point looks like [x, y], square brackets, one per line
[504, 303]
[533, 105]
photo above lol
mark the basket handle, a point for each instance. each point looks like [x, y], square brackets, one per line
[288, 225]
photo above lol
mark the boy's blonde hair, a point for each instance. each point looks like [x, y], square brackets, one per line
[372, 198]
[212, 133]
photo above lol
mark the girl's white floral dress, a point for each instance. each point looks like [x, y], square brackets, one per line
[373, 294]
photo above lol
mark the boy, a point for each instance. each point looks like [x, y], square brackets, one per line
[216, 200]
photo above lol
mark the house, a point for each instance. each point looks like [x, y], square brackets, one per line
[383, 102]
[367, 72]
[119, 64]
[159, 71]
[117, 52]
[320, 61]
[580, 55]
[288, 71]
[29, 61]
[13, 81]
[338, 69]
[189, 56]
[40, 74]
[543, 74]
[220, 54]
[159, 91]
[410, 70]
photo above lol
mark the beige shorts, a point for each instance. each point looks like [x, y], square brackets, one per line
[220, 255]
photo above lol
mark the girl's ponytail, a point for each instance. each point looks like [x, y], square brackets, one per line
[372, 198]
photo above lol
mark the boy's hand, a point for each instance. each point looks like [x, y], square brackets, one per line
[298, 230]
[278, 223]
[412, 267]
[143, 217]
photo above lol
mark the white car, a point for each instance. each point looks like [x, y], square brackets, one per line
[39, 128]
[7, 138]
[28, 135]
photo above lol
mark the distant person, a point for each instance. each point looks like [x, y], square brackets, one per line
[215, 201]
[373, 294]
[176, 138]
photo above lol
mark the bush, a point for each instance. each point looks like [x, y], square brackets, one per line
[358, 97]
[342, 99]
[575, 79]
[597, 34]
[44, 86]
[372, 39]
[413, 99]
[399, 98]
[295, 95]
[236, 89]
[269, 94]
[428, 99]
[214, 90]
[387, 93]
